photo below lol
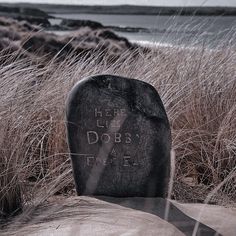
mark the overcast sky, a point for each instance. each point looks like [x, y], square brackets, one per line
[137, 2]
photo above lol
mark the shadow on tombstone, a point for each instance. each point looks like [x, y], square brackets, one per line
[119, 139]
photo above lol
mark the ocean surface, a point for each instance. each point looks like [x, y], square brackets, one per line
[178, 30]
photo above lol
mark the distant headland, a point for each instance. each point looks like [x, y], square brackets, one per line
[128, 9]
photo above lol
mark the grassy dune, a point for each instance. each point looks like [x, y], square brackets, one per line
[197, 87]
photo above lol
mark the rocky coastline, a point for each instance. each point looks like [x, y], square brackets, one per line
[39, 17]
[30, 32]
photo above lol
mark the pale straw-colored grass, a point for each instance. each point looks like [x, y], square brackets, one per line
[197, 87]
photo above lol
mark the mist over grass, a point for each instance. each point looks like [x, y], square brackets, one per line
[197, 87]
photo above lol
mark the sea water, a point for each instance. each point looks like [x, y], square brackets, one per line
[186, 30]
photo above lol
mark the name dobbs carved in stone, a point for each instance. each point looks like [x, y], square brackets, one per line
[119, 137]
[103, 122]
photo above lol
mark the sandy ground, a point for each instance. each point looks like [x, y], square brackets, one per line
[220, 218]
[127, 216]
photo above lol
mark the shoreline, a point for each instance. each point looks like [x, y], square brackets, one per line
[161, 33]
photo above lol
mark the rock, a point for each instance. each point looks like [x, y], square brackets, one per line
[130, 29]
[32, 41]
[119, 139]
[31, 15]
[75, 24]
[44, 22]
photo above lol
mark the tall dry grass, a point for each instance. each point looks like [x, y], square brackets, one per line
[197, 87]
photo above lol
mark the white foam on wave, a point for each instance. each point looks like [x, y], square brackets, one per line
[156, 44]
[151, 43]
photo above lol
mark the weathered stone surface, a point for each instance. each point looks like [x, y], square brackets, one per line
[119, 138]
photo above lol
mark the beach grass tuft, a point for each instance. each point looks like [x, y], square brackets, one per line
[197, 86]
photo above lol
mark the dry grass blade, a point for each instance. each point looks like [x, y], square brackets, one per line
[197, 87]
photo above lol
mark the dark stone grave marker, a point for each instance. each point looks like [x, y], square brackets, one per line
[119, 138]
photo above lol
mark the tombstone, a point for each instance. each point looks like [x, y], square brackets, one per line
[119, 138]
